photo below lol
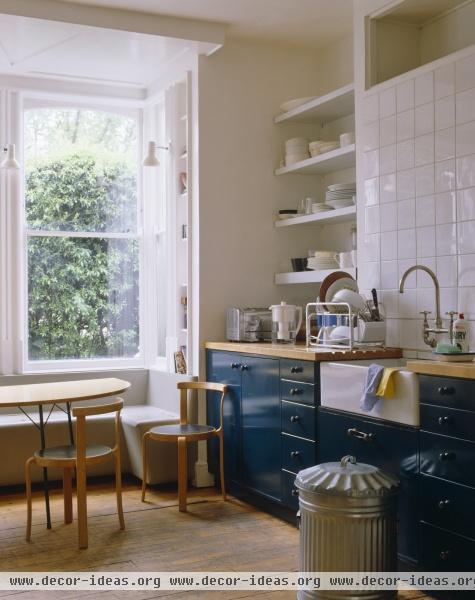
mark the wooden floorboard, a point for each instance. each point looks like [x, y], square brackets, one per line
[212, 536]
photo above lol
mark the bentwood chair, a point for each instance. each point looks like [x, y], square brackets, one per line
[79, 457]
[185, 432]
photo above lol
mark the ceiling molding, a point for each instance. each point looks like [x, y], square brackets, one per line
[113, 18]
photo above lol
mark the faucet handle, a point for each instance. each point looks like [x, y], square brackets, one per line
[451, 313]
[425, 313]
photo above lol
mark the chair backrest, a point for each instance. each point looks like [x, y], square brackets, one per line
[81, 412]
[184, 386]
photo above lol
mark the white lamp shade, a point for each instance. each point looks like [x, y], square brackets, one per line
[151, 159]
[10, 162]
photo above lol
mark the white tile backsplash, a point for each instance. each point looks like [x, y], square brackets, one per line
[419, 197]
[465, 106]
[444, 113]
[424, 119]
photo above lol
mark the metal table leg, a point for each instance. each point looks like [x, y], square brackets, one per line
[45, 470]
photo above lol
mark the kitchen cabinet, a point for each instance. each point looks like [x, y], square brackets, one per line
[269, 423]
[391, 447]
[252, 426]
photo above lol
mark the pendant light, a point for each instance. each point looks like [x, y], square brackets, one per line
[9, 162]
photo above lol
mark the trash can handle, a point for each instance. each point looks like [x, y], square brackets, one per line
[347, 459]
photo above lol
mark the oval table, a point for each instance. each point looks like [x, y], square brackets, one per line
[54, 394]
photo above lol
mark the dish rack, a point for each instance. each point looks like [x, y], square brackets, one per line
[341, 329]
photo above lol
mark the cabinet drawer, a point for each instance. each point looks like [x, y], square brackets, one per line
[290, 494]
[447, 391]
[298, 419]
[448, 421]
[444, 551]
[447, 458]
[299, 370]
[303, 393]
[448, 505]
[297, 454]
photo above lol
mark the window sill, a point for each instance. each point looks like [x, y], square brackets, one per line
[55, 367]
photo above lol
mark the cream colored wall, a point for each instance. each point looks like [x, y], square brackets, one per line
[241, 88]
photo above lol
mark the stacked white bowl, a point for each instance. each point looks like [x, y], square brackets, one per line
[296, 149]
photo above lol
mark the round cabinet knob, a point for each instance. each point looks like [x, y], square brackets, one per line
[446, 391]
[296, 369]
[295, 391]
[446, 554]
[445, 455]
[443, 504]
[294, 492]
[294, 418]
[235, 365]
[244, 368]
[294, 454]
[443, 421]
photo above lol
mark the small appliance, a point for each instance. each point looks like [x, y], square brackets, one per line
[286, 321]
[248, 324]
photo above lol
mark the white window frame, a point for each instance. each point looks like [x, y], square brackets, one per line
[89, 364]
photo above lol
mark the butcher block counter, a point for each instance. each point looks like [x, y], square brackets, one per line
[301, 352]
[463, 370]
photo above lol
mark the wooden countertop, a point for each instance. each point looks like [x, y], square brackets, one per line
[301, 352]
[464, 370]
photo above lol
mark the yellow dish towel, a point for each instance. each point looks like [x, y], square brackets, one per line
[386, 385]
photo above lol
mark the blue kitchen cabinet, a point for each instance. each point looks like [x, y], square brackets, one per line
[252, 424]
[391, 447]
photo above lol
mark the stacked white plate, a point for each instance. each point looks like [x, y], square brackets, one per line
[341, 195]
[322, 261]
[296, 149]
[318, 207]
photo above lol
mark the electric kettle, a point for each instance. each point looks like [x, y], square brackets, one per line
[286, 321]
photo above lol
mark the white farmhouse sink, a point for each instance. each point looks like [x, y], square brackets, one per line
[342, 385]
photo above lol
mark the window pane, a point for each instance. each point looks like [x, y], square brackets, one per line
[81, 170]
[82, 298]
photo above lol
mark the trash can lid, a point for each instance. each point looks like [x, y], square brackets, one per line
[347, 478]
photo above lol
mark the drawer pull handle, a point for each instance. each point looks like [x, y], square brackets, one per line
[235, 365]
[443, 421]
[443, 504]
[244, 368]
[361, 435]
[446, 554]
[296, 369]
[296, 392]
[294, 492]
[294, 454]
[294, 418]
[446, 391]
[445, 455]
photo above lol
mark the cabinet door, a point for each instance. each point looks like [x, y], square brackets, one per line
[389, 447]
[224, 367]
[260, 426]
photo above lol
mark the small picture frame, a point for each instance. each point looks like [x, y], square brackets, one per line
[180, 362]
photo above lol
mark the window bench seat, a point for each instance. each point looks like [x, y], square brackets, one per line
[19, 439]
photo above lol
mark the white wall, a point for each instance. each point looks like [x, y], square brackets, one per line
[416, 188]
[241, 88]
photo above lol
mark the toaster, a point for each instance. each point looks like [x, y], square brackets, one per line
[248, 324]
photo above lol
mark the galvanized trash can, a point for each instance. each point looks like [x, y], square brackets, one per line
[347, 523]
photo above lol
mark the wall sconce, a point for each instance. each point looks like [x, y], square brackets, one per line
[9, 162]
[151, 159]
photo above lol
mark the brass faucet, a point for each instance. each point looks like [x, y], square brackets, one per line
[426, 330]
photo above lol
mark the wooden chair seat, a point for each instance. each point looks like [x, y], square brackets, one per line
[189, 430]
[78, 457]
[185, 432]
[67, 454]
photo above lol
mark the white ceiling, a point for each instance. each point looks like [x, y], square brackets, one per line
[76, 52]
[315, 22]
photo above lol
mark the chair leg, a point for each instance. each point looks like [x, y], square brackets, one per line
[68, 494]
[182, 474]
[144, 464]
[82, 503]
[221, 465]
[28, 464]
[118, 489]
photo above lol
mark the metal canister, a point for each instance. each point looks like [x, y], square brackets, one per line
[347, 524]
